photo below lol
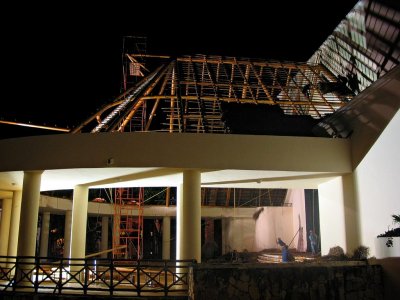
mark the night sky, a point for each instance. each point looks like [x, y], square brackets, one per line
[62, 63]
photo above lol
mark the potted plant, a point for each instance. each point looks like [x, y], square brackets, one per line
[388, 244]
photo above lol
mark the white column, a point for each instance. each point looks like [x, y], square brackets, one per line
[189, 217]
[67, 233]
[351, 214]
[5, 225]
[104, 235]
[338, 215]
[29, 213]
[44, 234]
[179, 199]
[79, 220]
[166, 238]
[14, 227]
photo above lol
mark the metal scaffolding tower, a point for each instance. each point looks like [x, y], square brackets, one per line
[128, 203]
[128, 223]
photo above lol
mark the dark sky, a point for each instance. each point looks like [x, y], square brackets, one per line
[62, 63]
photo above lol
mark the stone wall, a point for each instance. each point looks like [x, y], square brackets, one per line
[332, 280]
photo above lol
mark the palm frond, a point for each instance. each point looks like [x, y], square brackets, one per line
[396, 219]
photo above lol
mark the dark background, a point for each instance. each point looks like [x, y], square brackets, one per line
[61, 63]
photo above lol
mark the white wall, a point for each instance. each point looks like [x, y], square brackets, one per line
[331, 214]
[239, 234]
[273, 223]
[377, 183]
[255, 235]
[297, 198]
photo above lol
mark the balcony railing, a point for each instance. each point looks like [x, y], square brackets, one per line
[108, 277]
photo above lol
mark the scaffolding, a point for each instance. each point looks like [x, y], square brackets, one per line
[194, 93]
[128, 204]
[128, 223]
[134, 50]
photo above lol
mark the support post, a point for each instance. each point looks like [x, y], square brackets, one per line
[79, 220]
[44, 234]
[6, 209]
[166, 238]
[28, 225]
[29, 213]
[67, 233]
[104, 235]
[189, 217]
[78, 230]
[14, 226]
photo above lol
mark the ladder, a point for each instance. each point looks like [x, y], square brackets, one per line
[128, 223]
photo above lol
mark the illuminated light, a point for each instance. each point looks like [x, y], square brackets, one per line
[34, 126]
[99, 200]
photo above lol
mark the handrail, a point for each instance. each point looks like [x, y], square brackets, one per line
[108, 277]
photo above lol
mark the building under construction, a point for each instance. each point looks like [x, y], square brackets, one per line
[214, 94]
[238, 145]
[230, 95]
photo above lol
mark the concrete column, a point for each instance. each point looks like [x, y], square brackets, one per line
[14, 227]
[44, 234]
[67, 233]
[179, 199]
[79, 220]
[28, 225]
[189, 217]
[224, 235]
[209, 230]
[166, 238]
[5, 225]
[104, 235]
[167, 196]
[338, 214]
[351, 214]
[29, 213]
